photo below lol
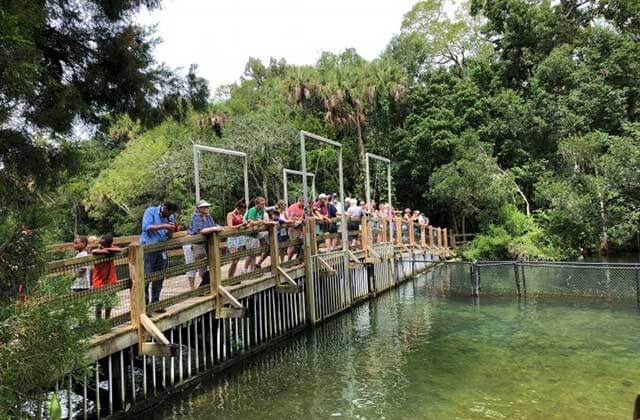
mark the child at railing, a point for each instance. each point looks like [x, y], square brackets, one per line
[83, 274]
[104, 274]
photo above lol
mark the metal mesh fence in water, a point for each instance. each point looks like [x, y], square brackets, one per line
[613, 281]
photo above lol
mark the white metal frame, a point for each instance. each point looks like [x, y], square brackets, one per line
[369, 156]
[197, 148]
[285, 179]
[343, 217]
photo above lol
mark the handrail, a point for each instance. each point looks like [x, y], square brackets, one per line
[373, 244]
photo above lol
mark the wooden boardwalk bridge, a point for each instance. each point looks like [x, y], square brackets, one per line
[154, 349]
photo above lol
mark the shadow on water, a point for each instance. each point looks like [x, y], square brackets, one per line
[419, 351]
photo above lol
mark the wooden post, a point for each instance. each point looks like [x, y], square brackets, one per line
[452, 239]
[412, 236]
[364, 236]
[313, 235]
[215, 269]
[310, 302]
[136, 299]
[273, 250]
[398, 231]
[445, 238]
[423, 241]
[430, 236]
[439, 233]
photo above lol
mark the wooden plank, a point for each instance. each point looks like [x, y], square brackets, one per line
[151, 328]
[159, 350]
[136, 293]
[227, 295]
[287, 277]
[288, 288]
[309, 295]
[215, 268]
[373, 252]
[326, 265]
[353, 257]
[273, 249]
[227, 312]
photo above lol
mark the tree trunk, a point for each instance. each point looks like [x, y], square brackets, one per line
[265, 190]
[604, 237]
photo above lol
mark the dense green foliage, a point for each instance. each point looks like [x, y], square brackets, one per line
[66, 66]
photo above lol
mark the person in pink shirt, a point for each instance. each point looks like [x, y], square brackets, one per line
[295, 213]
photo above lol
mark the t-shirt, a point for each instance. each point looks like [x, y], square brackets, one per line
[321, 208]
[255, 214]
[295, 211]
[333, 210]
[83, 275]
[355, 212]
[104, 274]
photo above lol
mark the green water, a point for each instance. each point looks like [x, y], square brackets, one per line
[415, 353]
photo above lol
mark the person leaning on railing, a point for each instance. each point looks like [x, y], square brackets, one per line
[295, 213]
[201, 222]
[334, 208]
[354, 214]
[158, 223]
[282, 219]
[256, 216]
[83, 274]
[321, 212]
[235, 219]
[104, 274]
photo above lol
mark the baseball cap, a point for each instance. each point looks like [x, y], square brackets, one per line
[321, 196]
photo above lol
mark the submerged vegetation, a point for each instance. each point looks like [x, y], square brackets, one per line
[519, 119]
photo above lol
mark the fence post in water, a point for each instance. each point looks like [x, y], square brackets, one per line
[638, 286]
[516, 276]
[310, 302]
[476, 279]
[136, 273]
[524, 279]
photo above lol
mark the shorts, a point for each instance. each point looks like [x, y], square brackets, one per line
[283, 237]
[234, 243]
[354, 225]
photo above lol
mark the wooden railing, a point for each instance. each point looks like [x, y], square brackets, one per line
[223, 258]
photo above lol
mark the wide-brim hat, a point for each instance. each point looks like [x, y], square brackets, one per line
[203, 203]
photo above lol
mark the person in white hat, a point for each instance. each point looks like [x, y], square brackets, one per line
[201, 222]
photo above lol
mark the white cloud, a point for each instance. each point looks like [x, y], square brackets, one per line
[221, 35]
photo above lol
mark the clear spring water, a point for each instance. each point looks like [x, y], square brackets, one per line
[416, 353]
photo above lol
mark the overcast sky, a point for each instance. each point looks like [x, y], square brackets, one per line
[220, 35]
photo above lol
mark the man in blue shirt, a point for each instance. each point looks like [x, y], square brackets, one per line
[158, 223]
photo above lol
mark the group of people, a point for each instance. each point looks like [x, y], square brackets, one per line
[159, 223]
